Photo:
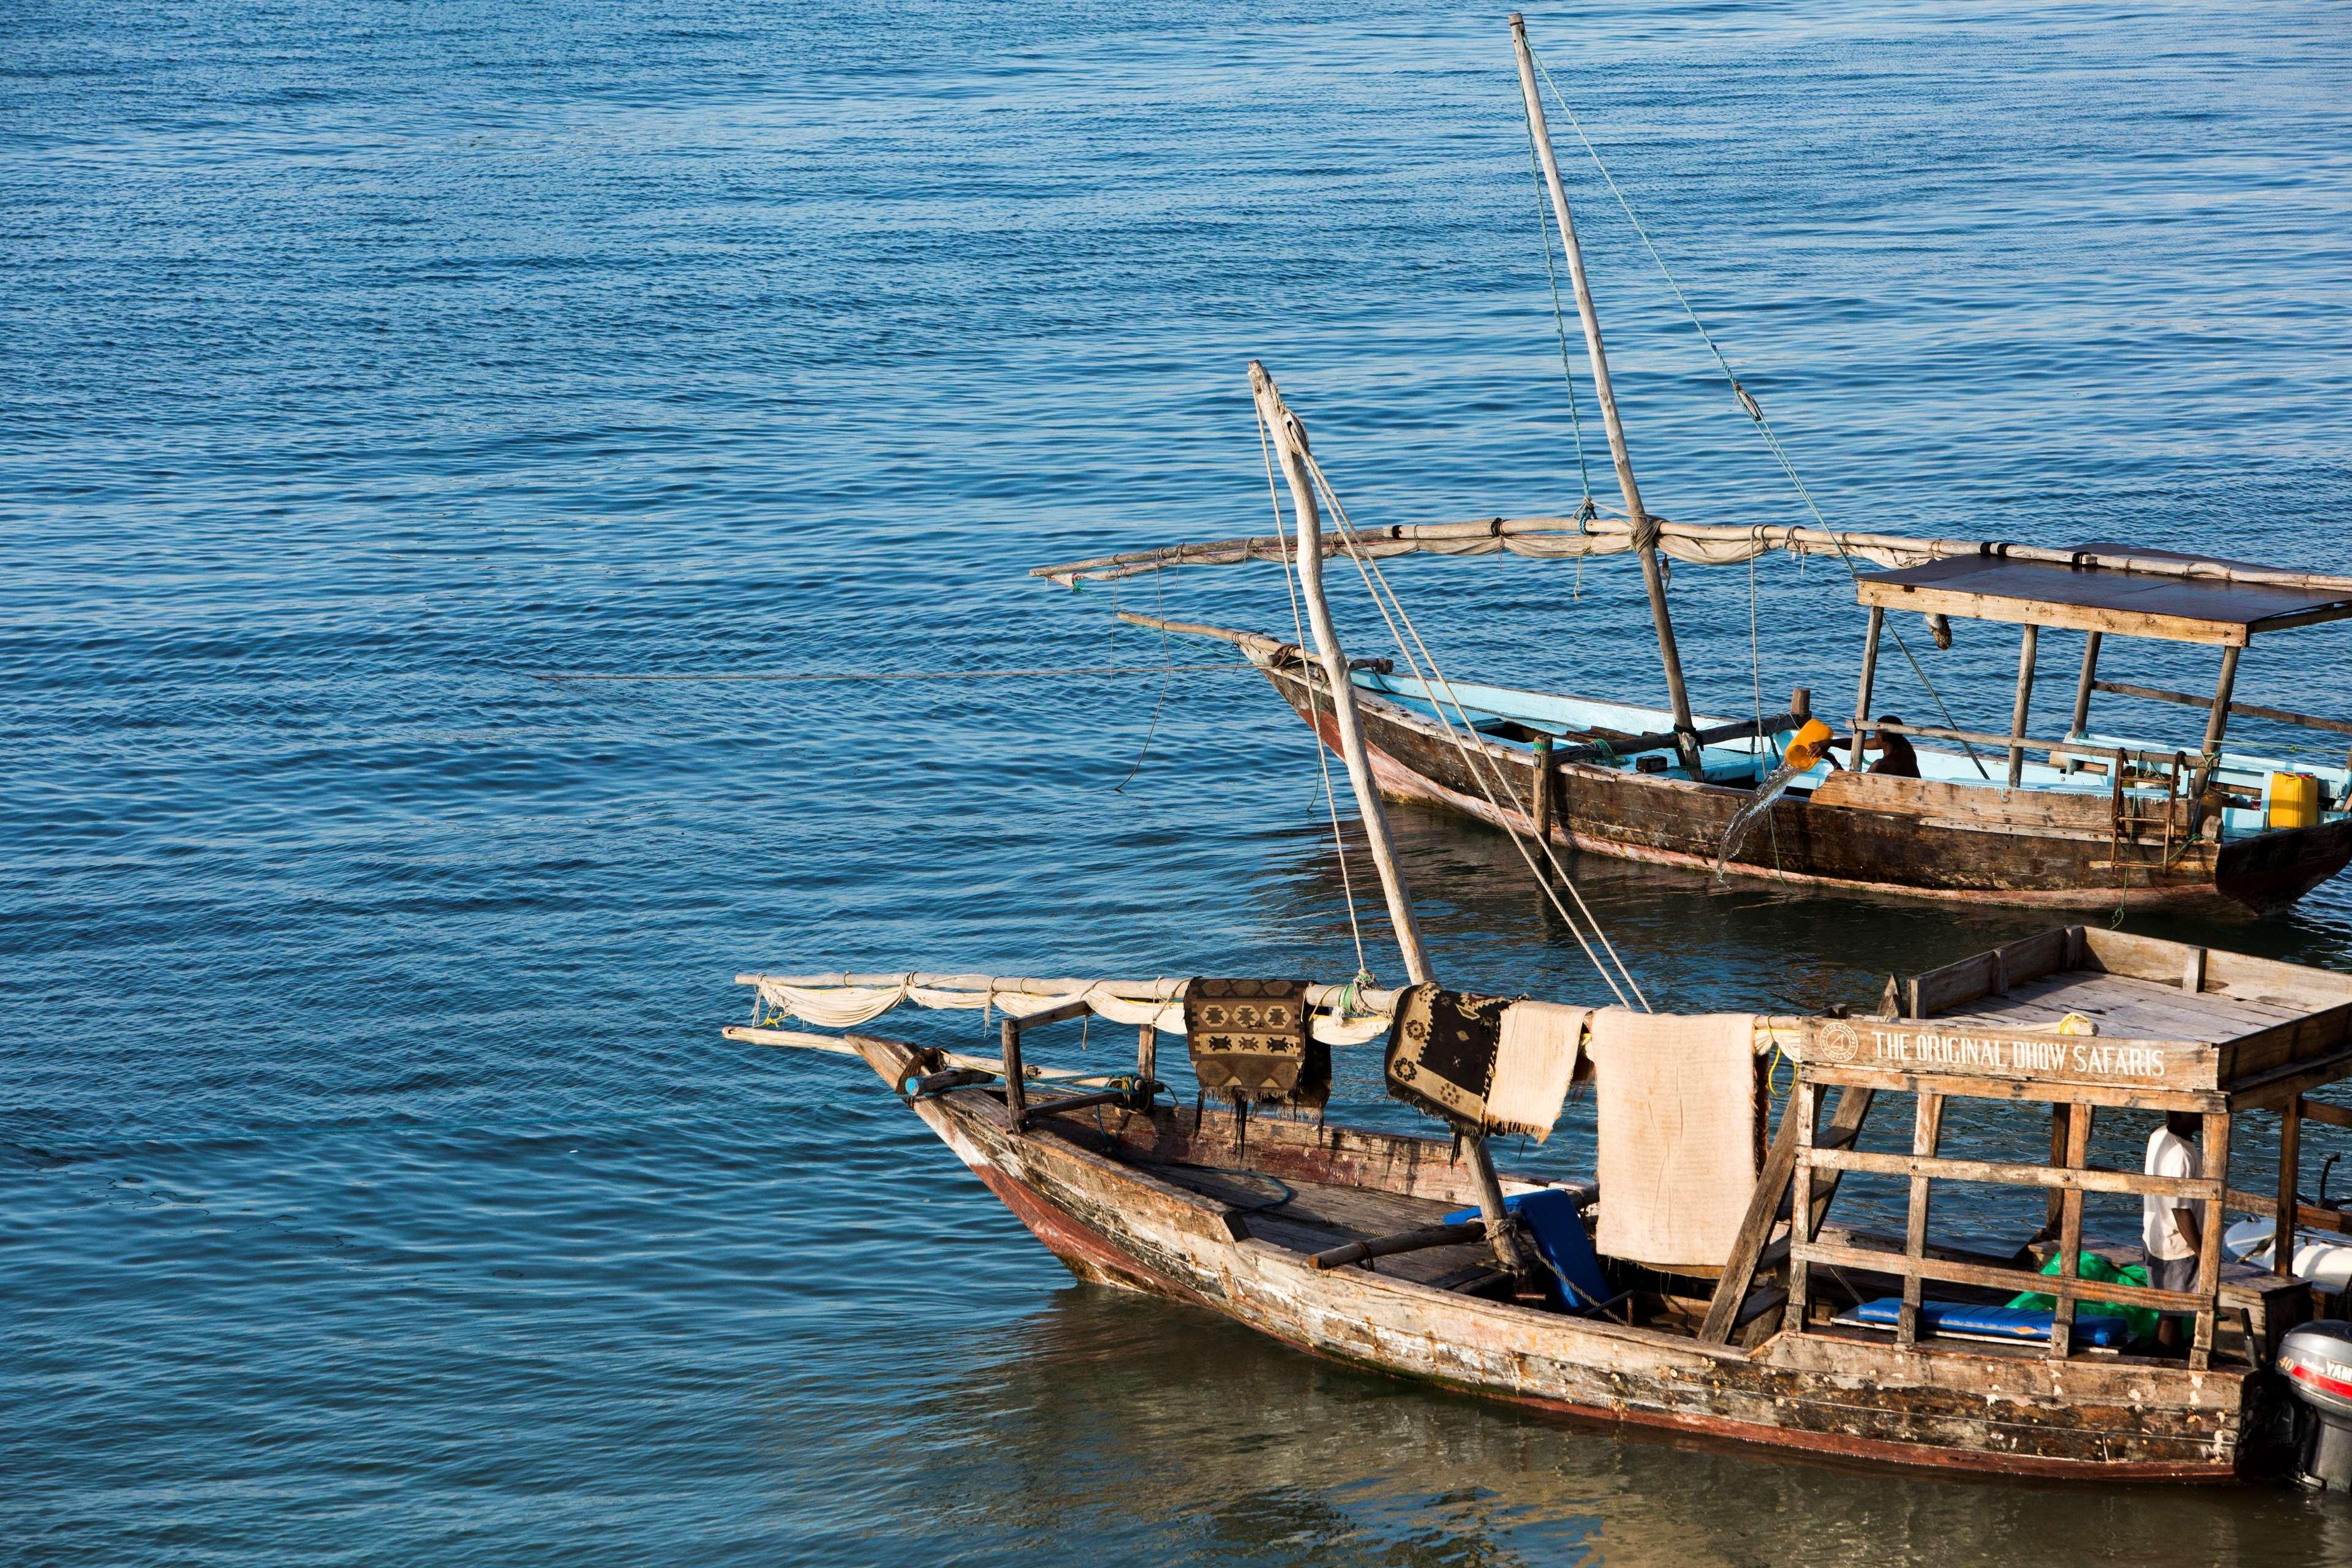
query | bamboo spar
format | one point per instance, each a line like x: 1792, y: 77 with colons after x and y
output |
x: 1289, y: 441
x: 1654, y: 578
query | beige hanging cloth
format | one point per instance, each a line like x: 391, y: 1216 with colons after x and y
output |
x: 1534, y: 1061
x: 1676, y: 1097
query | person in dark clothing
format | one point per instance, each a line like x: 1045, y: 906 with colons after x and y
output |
x: 1896, y: 757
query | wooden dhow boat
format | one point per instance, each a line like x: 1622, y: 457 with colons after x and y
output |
x: 1696, y: 1282
x: 2091, y: 819
x: 1368, y: 1247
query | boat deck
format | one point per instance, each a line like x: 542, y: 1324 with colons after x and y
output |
x: 1308, y: 1216
x: 2126, y: 1007
x: 1511, y: 717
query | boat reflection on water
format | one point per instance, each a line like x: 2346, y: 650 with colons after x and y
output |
x: 1105, y: 1420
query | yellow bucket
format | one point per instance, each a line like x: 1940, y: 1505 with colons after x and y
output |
x: 2294, y: 800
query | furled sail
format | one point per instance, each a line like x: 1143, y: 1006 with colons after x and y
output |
x: 1702, y: 544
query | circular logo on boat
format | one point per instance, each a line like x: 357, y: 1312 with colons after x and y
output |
x: 1405, y: 1070
x: 1839, y: 1042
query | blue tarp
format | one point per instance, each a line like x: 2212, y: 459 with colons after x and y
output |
x: 1991, y: 1322
x: 1558, y: 1232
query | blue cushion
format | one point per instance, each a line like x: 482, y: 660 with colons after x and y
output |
x: 1559, y: 1231
x: 1991, y: 1322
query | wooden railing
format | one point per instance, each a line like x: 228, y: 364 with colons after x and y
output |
x: 2241, y: 709
x: 2067, y: 1178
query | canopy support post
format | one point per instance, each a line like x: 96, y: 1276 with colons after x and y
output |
x: 1869, y: 679
x: 1645, y: 532
x: 1541, y: 804
x: 1289, y: 440
x: 2074, y: 1154
x: 2290, y: 1168
x: 1803, y: 1106
x: 1927, y: 1132
x: 2081, y: 725
x: 2216, y: 722
x: 2031, y: 641
x: 2213, y: 1165
x: 1017, y: 1077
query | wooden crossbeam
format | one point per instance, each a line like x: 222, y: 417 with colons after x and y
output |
x: 1418, y: 1239
x: 2308, y: 1216
x: 1050, y: 1016
x: 1666, y: 740
x: 2083, y: 1179
x: 2237, y: 709
x: 2319, y: 1110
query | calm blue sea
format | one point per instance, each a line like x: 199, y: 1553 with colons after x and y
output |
x: 375, y: 1187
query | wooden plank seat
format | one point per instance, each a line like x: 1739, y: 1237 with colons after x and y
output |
x: 1314, y: 1215
x: 1555, y: 1223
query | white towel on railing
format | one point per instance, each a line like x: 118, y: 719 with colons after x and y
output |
x: 1676, y: 1097
x: 1535, y: 1057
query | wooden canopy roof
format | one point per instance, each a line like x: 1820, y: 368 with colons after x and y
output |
x: 2223, y: 609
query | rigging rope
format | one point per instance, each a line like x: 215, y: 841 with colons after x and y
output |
x: 1384, y: 598
x: 1159, y: 613
x: 1764, y: 747
x: 1748, y: 404
x: 1560, y: 327
x: 1322, y: 758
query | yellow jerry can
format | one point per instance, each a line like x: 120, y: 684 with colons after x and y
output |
x: 2294, y: 800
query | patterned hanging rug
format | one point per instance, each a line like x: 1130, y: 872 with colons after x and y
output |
x: 1485, y: 1063
x: 1250, y: 1042
x: 1442, y: 1050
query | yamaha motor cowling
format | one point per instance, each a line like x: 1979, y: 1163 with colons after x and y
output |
x: 2317, y: 1359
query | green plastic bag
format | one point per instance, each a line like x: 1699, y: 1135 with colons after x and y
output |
x: 2139, y: 1321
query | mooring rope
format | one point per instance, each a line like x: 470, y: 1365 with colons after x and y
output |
x: 1763, y: 742
x: 1159, y: 613
x: 1560, y: 327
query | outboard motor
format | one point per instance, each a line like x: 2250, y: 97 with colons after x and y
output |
x: 2317, y: 1360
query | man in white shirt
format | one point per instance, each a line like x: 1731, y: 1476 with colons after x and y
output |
x: 2168, y: 1229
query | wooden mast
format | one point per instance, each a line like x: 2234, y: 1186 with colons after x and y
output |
x: 1289, y: 440
x: 1654, y: 576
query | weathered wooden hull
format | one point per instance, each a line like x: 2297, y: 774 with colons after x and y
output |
x: 1675, y: 822
x: 1980, y: 1414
